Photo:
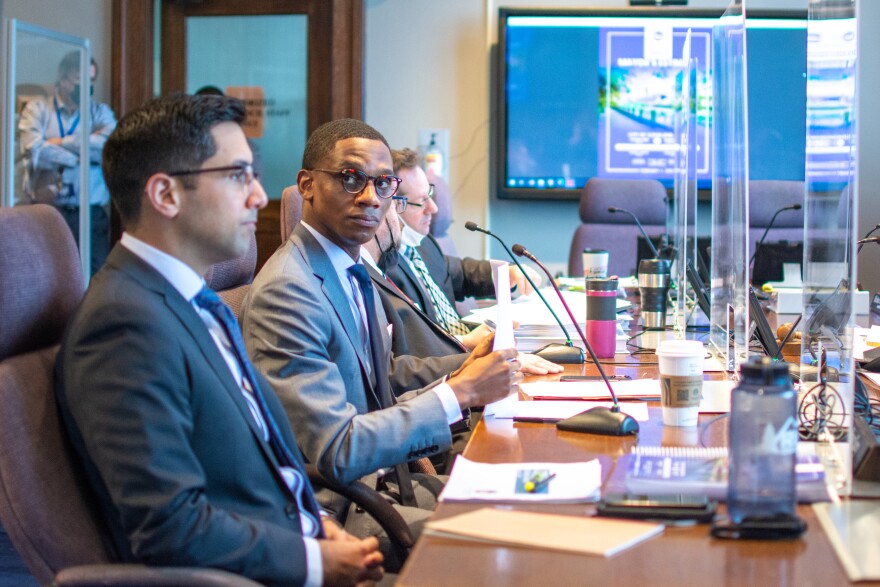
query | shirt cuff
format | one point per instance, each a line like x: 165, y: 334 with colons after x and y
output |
x: 449, y: 401
x: 314, y: 565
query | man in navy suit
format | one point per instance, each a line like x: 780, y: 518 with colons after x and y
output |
x: 188, y: 448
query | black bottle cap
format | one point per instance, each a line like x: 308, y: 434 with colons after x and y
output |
x: 764, y: 369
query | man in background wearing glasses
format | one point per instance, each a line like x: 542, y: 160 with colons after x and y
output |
x: 314, y: 328
x: 431, y: 279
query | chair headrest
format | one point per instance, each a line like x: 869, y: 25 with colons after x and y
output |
x: 234, y: 272
x: 441, y: 221
x: 42, y: 281
x: 642, y: 197
x: 291, y: 210
x: 766, y: 196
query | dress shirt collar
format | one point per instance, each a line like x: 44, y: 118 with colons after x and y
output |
x: 367, y: 259
x: 179, y: 274
x: 410, y: 237
x: 340, y: 260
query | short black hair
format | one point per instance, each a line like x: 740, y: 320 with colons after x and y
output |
x: 70, y: 63
x: 324, y: 139
x: 167, y: 134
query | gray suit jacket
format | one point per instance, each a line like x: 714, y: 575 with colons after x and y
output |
x: 458, y: 278
x: 165, y: 436
x: 301, y: 334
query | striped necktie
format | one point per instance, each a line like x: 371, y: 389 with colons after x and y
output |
x: 208, y: 299
x: 446, y: 314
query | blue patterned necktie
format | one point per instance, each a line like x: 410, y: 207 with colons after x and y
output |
x: 443, y: 309
x: 380, y: 371
x: 208, y: 299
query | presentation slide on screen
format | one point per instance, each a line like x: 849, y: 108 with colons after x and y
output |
x: 597, y: 96
x: 831, y: 86
x: 640, y: 99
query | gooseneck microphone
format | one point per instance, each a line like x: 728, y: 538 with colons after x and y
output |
x: 601, y: 420
x: 558, y: 353
x: 614, y: 210
x: 769, y: 226
x: 864, y: 240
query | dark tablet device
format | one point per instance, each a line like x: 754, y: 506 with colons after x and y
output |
x: 672, y: 507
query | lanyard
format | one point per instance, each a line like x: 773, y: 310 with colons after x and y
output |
x: 73, y: 124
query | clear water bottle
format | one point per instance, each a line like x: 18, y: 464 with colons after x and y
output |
x: 763, y: 442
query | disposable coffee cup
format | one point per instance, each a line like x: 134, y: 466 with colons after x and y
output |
x: 595, y: 263
x: 681, y: 381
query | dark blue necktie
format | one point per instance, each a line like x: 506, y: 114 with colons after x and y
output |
x: 210, y: 301
x: 380, y: 372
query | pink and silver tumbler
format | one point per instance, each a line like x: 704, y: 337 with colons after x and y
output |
x: 602, y: 316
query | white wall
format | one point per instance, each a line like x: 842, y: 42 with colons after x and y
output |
x: 441, y: 52
x: 91, y: 19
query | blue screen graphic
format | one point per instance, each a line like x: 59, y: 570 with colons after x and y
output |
x: 593, y: 96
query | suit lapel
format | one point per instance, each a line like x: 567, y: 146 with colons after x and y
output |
x: 316, y: 258
x: 424, y: 297
x: 189, y: 318
x: 380, y: 281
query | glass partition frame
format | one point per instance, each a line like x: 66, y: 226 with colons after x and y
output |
x: 830, y: 218
x: 16, y: 31
x: 685, y: 189
x: 729, y: 321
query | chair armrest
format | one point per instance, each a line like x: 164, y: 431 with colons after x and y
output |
x: 374, y: 504
x: 134, y: 575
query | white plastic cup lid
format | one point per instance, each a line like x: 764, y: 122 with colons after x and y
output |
x: 680, y: 348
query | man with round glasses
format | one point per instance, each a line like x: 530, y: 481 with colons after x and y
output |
x: 433, y: 280
x: 313, y: 326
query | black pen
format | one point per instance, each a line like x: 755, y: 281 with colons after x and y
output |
x: 536, y: 420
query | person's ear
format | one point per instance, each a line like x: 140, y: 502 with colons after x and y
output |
x: 305, y: 181
x: 163, y: 194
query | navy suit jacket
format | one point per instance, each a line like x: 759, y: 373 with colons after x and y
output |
x: 165, y: 436
x: 413, y: 332
x: 457, y: 278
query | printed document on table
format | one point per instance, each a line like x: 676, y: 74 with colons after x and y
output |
x: 592, y: 390
x: 523, y: 482
x: 554, y: 411
x: 503, y: 320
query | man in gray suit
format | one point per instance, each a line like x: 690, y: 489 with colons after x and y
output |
x: 312, y: 326
x: 188, y: 449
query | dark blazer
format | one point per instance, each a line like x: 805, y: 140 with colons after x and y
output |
x: 458, y: 278
x: 165, y: 436
x: 413, y: 333
x: 302, y: 335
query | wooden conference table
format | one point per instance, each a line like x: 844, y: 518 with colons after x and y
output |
x: 680, y: 556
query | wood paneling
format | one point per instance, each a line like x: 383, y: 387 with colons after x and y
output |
x: 268, y: 231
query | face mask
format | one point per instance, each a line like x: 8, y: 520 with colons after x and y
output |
x: 74, y: 95
x: 387, y: 259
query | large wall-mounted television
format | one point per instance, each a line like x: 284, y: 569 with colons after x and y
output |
x: 591, y: 92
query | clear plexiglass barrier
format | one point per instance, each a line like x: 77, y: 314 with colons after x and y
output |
x: 829, y: 263
x: 43, y: 67
x: 729, y: 319
x: 687, y: 310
